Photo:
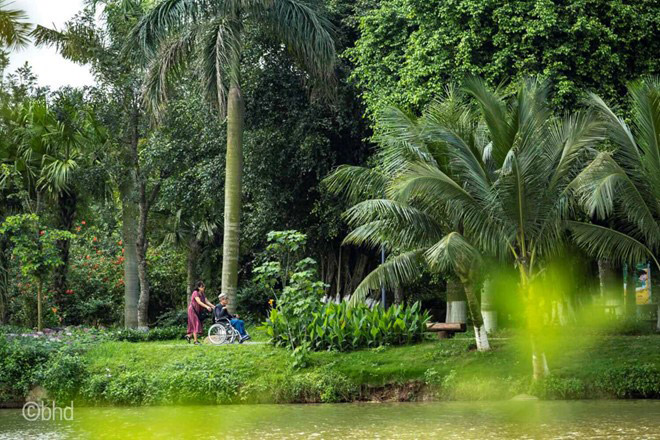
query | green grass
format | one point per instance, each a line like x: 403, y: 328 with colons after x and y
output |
x: 452, y: 368
x: 583, y: 365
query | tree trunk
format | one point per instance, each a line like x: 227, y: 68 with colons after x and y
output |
x: 456, y: 304
x: 539, y: 362
x: 488, y: 306
x: 131, y: 283
x: 474, y: 309
x: 130, y: 212
x: 233, y: 174
x: 191, y: 272
x: 611, y: 286
x: 142, y: 245
x: 398, y: 295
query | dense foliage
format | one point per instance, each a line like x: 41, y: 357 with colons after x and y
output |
x: 409, y: 50
x: 341, y: 327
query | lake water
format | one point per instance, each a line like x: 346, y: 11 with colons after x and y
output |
x: 442, y: 420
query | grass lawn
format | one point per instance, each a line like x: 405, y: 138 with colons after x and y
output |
x: 581, y: 365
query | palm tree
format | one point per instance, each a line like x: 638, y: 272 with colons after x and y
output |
x: 499, y: 188
x: 419, y: 233
x: 623, y: 185
x: 117, y: 68
x: 14, y: 30
x: 179, y: 34
x: 53, y: 143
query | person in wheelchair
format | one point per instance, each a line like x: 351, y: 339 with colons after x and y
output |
x: 221, y: 313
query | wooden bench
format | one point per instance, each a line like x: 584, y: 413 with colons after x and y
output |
x: 445, y: 330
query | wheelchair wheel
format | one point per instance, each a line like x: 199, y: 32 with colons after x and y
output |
x: 217, y: 334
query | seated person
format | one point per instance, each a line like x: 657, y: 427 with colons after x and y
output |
x: 223, y: 313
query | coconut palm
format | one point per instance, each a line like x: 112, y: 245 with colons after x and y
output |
x: 419, y: 234
x: 623, y: 185
x: 14, y: 29
x: 495, y: 189
x: 208, y: 35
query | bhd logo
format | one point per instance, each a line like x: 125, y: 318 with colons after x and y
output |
x: 33, y: 411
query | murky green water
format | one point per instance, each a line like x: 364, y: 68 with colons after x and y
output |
x: 451, y: 420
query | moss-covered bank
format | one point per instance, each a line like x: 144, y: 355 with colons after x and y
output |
x: 173, y: 372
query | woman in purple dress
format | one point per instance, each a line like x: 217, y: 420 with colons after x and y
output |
x: 197, y: 302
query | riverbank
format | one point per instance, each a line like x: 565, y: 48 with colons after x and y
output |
x: 173, y: 372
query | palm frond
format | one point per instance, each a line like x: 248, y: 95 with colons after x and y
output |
x: 306, y: 33
x: 604, y: 183
x: 603, y: 242
x: 76, y: 42
x: 397, y: 270
x: 171, y: 63
x: 14, y: 28
x: 453, y: 253
x: 167, y: 18
x: 645, y: 94
x: 495, y: 114
x: 220, y: 52
x: 356, y: 183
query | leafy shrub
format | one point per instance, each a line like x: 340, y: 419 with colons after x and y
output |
x: 155, y: 334
x: 64, y: 374
x: 21, y: 366
x: 632, y: 381
x: 131, y: 388
x: 252, y: 300
x: 325, y: 386
x: 563, y: 388
x: 341, y: 327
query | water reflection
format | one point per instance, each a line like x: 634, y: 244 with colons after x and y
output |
x: 447, y: 420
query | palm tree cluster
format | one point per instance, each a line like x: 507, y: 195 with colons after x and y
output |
x: 485, y: 176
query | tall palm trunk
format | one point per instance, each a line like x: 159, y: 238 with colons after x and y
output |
x: 141, y: 245
x: 233, y: 174
x: 474, y: 309
x: 534, y: 323
x: 488, y: 306
x: 131, y: 283
x: 456, y: 304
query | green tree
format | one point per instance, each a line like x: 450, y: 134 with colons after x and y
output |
x: 502, y: 193
x: 177, y: 32
x: 35, y: 248
x: 408, y: 50
x: 57, y: 149
x: 623, y: 185
x: 117, y: 69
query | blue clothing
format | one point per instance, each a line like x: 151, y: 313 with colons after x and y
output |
x: 239, y: 325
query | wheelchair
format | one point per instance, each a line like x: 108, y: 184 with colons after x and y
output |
x: 222, y: 332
